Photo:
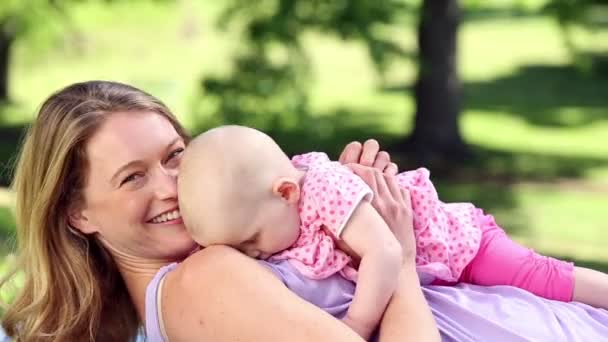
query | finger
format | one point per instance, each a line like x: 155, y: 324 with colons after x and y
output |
x: 393, y: 188
x: 407, y: 199
x: 383, y: 190
x: 370, y: 150
x: 367, y: 174
x: 383, y: 159
x: 351, y: 153
x: 391, y: 169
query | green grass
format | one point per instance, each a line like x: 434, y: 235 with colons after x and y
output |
x: 535, y: 120
x: 561, y: 221
x: 7, y: 221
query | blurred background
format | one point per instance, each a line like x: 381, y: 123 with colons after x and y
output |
x: 505, y: 101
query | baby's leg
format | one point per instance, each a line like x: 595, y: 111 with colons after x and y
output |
x: 591, y: 287
x: 501, y: 261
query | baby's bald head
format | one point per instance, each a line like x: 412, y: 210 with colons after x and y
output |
x: 225, y: 176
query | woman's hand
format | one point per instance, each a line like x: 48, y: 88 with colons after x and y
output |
x: 368, y: 154
x: 393, y: 204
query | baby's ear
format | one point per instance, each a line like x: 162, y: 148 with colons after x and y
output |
x: 287, y: 188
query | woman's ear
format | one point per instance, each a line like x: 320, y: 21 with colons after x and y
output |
x: 287, y: 188
x: 79, y: 220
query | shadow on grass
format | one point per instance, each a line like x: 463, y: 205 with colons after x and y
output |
x: 553, y: 96
x: 543, y: 95
x: 504, y: 166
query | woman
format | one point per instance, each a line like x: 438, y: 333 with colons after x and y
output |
x: 98, y: 218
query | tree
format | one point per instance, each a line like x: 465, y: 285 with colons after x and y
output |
x: 436, y: 132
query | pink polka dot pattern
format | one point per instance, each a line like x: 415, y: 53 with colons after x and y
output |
x: 330, y: 193
x: 447, y: 235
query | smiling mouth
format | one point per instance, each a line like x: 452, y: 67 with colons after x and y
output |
x: 168, y: 216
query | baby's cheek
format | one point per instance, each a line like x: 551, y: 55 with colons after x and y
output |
x: 287, y: 240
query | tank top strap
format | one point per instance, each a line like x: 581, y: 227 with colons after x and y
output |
x: 154, y: 328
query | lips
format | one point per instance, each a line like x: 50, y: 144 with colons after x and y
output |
x: 166, y: 216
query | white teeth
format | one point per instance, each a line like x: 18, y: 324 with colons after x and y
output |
x: 166, y: 217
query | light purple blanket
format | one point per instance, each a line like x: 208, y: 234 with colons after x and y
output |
x: 471, y: 313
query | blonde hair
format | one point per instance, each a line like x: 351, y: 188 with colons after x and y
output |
x: 72, y: 288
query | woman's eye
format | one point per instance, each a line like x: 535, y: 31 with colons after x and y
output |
x: 130, y: 178
x: 175, y: 153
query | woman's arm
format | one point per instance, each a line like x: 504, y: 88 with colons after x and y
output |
x: 367, y: 235
x: 408, y: 316
x: 218, y: 294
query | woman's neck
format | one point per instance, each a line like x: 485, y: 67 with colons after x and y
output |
x: 137, y: 273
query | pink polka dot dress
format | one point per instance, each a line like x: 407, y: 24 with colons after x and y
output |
x: 329, y: 195
x: 448, y: 235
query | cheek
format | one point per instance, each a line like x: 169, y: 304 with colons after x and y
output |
x: 289, y: 237
x: 127, y: 209
x: 135, y: 208
x: 295, y: 234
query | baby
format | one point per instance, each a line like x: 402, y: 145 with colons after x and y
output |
x: 237, y: 187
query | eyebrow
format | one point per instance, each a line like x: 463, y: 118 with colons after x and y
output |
x: 135, y: 162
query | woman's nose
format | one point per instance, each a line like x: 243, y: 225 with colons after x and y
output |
x: 166, y: 183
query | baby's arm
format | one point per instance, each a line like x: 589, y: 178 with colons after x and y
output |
x: 591, y: 287
x: 367, y: 235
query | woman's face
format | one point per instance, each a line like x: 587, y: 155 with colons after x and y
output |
x: 131, y: 190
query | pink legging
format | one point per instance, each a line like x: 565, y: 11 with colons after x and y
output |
x: 501, y: 261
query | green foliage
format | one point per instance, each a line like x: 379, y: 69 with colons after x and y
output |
x: 18, y: 16
x: 591, y: 15
x: 285, y: 21
x: 272, y: 74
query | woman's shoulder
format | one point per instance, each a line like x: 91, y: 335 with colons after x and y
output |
x: 211, y: 264
x: 210, y: 284
x: 215, y: 272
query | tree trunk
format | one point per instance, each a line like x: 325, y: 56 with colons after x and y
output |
x: 436, y: 134
x: 6, y: 41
